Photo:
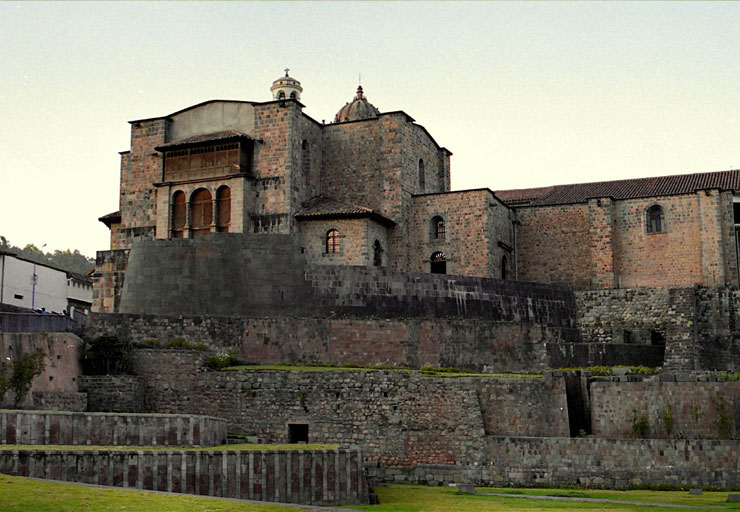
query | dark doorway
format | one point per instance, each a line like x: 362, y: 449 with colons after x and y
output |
x: 579, y: 410
x: 438, y: 263
x: 297, y: 433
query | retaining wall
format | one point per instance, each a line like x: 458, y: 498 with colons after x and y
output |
x: 73, y: 428
x: 318, y: 477
x: 113, y: 393
x: 612, y: 463
x: 62, y: 365
x: 704, y: 410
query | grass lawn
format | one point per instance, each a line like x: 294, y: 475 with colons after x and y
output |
x: 24, y: 494
x: 414, y: 498
x: 221, y: 447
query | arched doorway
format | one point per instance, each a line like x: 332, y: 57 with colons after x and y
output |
x: 201, y: 212
x: 438, y: 263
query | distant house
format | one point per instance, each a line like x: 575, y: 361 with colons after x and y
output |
x: 25, y: 284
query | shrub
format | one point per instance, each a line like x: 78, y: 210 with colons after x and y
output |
x: 640, y: 426
x: 221, y: 360
x: 668, y: 420
x: 106, y: 355
x: 22, y: 372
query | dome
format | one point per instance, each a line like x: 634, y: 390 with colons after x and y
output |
x: 286, y: 87
x: 360, y: 108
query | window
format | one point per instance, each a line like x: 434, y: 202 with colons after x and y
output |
x: 438, y: 228
x: 223, y: 209
x: 655, y: 220
x: 332, y: 241
x: 422, y: 179
x: 281, y: 95
x: 201, y: 212
x: 504, y: 267
x: 297, y: 433
x: 438, y: 263
x: 292, y: 95
x: 377, y: 254
x: 178, y: 214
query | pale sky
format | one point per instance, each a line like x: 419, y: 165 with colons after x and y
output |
x: 524, y: 94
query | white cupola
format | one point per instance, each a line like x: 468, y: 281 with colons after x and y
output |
x: 286, y: 88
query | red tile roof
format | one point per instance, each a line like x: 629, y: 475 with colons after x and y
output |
x: 622, y: 189
x: 323, y: 207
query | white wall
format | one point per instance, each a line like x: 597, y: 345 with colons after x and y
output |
x: 16, y: 280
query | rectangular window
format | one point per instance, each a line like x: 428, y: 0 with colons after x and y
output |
x: 18, y: 296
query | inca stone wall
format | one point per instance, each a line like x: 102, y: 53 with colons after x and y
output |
x: 612, y: 463
x: 688, y: 409
x: 395, y: 417
x: 112, y: 393
x: 319, y: 477
x: 109, y: 429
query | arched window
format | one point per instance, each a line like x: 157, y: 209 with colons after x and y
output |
x: 655, y: 220
x: 332, y: 241
x: 292, y: 95
x: 377, y: 254
x: 281, y: 95
x: 504, y: 267
x: 438, y: 228
x: 438, y: 263
x: 223, y: 209
x: 422, y: 179
x: 201, y: 212
x: 179, y: 212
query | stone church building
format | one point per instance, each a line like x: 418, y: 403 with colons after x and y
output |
x: 373, y: 189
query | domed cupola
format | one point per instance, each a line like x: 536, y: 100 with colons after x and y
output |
x: 286, y: 87
x: 360, y: 108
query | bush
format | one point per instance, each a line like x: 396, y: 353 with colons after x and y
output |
x: 22, y: 372
x: 106, y: 355
x: 640, y: 426
x: 221, y: 360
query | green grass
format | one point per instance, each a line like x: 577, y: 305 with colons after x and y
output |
x: 424, y: 372
x: 670, y: 497
x: 221, y: 447
x: 24, y: 494
x: 415, y: 498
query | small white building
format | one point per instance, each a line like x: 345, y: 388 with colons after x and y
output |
x: 30, y: 285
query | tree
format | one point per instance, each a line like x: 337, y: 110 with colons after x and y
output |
x: 71, y: 261
x: 22, y: 372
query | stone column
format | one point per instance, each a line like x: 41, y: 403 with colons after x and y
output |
x: 600, y: 225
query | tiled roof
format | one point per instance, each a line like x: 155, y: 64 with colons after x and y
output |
x: 622, y: 189
x: 195, y: 140
x: 323, y: 207
x: 110, y: 218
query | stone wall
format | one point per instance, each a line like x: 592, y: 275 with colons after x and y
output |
x: 59, y: 401
x: 395, y: 417
x: 612, y: 463
x: 647, y: 316
x: 110, y: 271
x: 553, y: 245
x: 693, y: 408
x: 109, y: 429
x: 475, y: 223
x: 62, y: 365
x: 475, y: 344
x: 112, y: 393
x: 573, y: 355
x: 605, y: 243
x: 318, y: 477
x: 221, y: 273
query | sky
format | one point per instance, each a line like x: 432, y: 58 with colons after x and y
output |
x: 524, y: 94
